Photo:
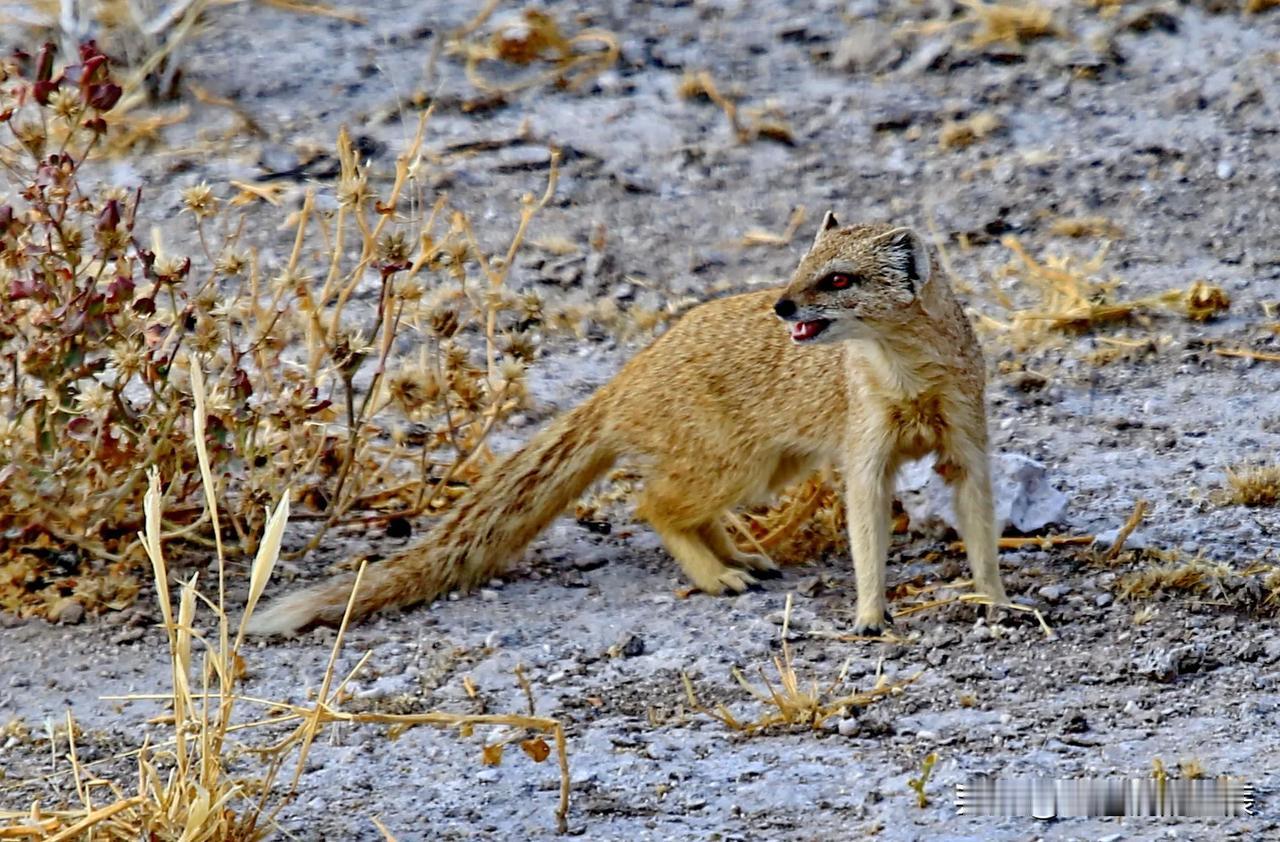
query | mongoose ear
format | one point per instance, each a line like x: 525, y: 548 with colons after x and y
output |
x: 829, y: 221
x: 907, y: 252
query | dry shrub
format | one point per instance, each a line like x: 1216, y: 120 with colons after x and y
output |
x: 1070, y: 295
x: 1255, y: 486
x: 364, y: 373
x: 531, y: 38
x: 958, y: 134
x: 208, y: 780
x: 149, y: 37
x: 1006, y: 23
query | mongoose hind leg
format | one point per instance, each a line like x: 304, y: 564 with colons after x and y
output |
x: 703, y: 566
x: 717, y: 538
x: 685, y: 503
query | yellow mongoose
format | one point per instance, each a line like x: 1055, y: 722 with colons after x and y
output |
x: 880, y: 365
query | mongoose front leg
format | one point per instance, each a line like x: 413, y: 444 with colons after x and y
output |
x: 970, y: 479
x: 868, y: 503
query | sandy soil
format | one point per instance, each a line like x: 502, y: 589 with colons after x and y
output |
x: 1162, y: 118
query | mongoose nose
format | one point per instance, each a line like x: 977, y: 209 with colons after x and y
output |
x: 785, y: 308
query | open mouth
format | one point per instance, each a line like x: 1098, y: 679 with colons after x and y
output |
x: 808, y: 331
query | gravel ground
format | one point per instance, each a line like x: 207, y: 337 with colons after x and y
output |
x: 1162, y: 117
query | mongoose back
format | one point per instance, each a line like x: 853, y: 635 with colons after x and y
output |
x: 865, y: 360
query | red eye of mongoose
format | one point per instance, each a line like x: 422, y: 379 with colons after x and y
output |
x: 839, y: 281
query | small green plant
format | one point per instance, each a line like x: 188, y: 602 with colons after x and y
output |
x: 918, y: 784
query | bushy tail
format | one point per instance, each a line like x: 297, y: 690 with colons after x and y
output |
x: 478, y: 538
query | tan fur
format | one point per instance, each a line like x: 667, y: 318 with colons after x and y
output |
x: 725, y: 408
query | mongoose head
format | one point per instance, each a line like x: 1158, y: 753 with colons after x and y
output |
x: 855, y: 282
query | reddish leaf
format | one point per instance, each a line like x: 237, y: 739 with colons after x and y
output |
x: 104, y: 96
x: 42, y: 90
x: 80, y: 429
x: 537, y: 748
x: 44, y: 62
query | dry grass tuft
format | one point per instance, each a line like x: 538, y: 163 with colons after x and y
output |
x: 1203, y: 301
x: 1071, y: 295
x: 806, y: 522
x: 959, y: 134
x: 1253, y: 589
x: 787, y: 702
x: 1255, y: 486
x: 1006, y: 23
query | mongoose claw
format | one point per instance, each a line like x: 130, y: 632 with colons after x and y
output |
x: 736, y: 581
x: 760, y: 565
x: 768, y: 573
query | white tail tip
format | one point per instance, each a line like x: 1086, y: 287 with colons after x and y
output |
x: 286, y: 616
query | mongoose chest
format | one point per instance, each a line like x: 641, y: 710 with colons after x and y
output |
x: 919, y: 424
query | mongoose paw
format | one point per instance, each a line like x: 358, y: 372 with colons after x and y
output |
x: 729, y: 581
x: 999, y: 599
x: 874, y: 626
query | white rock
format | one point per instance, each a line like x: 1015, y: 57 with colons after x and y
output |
x: 1137, y: 539
x: 1025, y: 500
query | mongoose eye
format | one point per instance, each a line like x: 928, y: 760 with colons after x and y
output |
x: 836, y: 280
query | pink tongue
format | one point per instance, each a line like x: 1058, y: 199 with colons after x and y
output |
x: 805, y: 330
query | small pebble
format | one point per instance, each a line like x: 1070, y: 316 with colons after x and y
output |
x: 1053, y: 593
x: 71, y: 614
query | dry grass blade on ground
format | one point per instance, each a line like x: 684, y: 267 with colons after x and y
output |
x: 763, y: 123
